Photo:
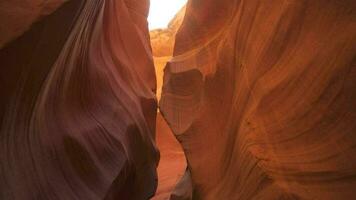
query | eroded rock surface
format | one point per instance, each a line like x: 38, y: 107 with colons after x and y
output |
x: 172, y: 162
x: 16, y: 16
x: 78, y: 106
x: 162, y: 42
x: 261, y: 95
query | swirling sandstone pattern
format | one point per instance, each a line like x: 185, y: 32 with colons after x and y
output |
x: 78, y: 106
x: 262, y: 97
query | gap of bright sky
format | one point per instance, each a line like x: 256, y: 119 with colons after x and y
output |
x: 162, y: 12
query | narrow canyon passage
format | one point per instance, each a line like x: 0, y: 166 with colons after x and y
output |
x: 172, y: 163
x: 216, y: 100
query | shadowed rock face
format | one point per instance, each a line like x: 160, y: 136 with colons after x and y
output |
x: 78, y: 107
x: 172, y: 160
x: 261, y: 95
x: 16, y: 16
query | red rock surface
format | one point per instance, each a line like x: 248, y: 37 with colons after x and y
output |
x: 78, y: 107
x: 261, y: 95
x: 172, y: 162
x: 16, y: 16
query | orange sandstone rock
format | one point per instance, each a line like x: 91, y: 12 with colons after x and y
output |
x: 162, y: 42
x: 261, y: 95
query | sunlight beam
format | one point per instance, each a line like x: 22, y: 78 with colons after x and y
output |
x: 163, y: 11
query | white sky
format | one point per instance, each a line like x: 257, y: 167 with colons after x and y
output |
x: 162, y: 11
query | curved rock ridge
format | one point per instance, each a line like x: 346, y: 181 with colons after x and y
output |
x: 78, y: 107
x: 261, y: 95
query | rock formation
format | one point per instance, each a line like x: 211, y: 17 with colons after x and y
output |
x: 77, y: 104
x: 262, y: 97
x: 260, y: 94
x: 16, y: 16
x: 162, y: 42
x: 172, y: 161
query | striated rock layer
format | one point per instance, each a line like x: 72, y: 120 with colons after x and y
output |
x: 262, y: 97
x: 77, y: 105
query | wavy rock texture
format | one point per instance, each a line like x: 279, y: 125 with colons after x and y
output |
x: 261, y: 95
x: 78, y: 106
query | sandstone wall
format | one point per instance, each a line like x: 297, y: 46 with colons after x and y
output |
x: 78, y: 105
x: 262, y: 97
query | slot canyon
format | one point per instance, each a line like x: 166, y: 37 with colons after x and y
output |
x: 232, y: 100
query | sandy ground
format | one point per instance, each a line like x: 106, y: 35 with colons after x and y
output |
x: 172, y: 164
